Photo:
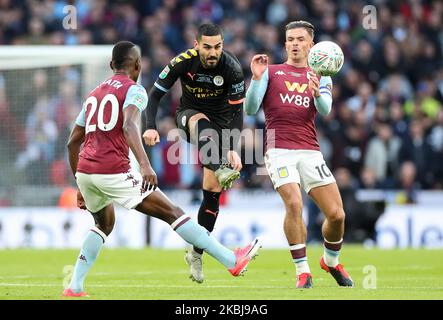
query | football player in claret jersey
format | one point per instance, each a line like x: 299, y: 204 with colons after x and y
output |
x: 211, y: 108
x: 108, y: 124
x: 292, y: 95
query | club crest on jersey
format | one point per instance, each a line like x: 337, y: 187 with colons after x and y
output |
x: 283, y: 172
x: 218, y: 80
x: 164, y: 73
x: 280, y: 73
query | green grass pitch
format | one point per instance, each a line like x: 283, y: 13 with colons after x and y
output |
x: 162, y: 274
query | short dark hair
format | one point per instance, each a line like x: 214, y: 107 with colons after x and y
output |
x: 301, y: 24
x: 209, y: 29
x: 120, y: 53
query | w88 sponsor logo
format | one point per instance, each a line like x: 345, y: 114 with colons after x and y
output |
x: 296, y: 99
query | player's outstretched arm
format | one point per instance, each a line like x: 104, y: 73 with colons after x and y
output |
x: 151, y: 135
x: 131, y: 119
x: 154, y: 97
x: 259, y: 83
x: 164, y: 82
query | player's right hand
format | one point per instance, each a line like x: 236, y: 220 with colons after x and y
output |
x: 149, y: 176
x: 259, y: 64
x: 80, y: 201
x: 314, y: 84
x: 151, y: 137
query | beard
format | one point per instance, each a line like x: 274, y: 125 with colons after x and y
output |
x: 211, y: 63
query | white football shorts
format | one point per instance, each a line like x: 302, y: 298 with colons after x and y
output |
x: 100, y: 190
x: 305, y: 167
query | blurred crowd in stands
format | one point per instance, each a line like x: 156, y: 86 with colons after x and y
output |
x: 386, y: 125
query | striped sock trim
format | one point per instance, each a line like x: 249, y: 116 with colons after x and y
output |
x: 297, y: 246
x: 301, y: 266
x: 336, y: 246
x: 180, y: 221
x: 337, y: 242
x: 298, y: 251
x: 332, y: 252
x: 100, y: 233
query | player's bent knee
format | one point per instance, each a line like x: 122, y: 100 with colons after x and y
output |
x: 294, y: 207
x: 106, y: 228
x: 173, y: 214
x: 177, y: 212
x: 336, y: 215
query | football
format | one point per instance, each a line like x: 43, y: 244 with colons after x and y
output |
x: 325, y: 58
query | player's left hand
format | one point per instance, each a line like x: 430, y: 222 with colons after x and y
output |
x: 314, y: 84
x: 234, y: 160
x: 80, y: 201
x: 150, y: 181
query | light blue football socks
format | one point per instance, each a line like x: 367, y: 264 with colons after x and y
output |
x: 198, y: 236
x: 188, y: 229
x: 88, y: 254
